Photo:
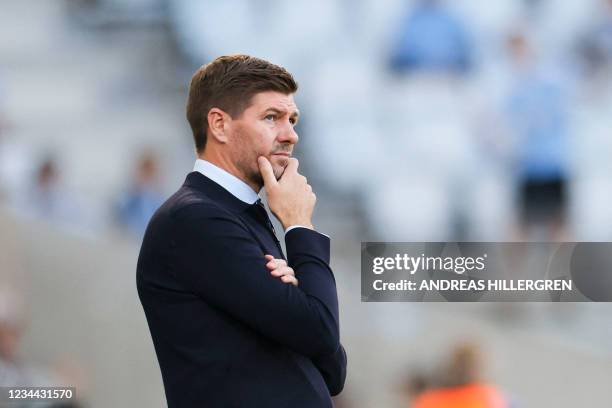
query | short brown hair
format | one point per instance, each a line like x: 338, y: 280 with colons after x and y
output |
x: 229, y: 83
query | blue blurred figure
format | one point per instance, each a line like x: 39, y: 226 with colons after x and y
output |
x: 537, y: 113
x: 144, y: 196
x: 432, y: 38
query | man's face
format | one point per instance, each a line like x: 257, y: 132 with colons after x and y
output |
x: 265, y: 128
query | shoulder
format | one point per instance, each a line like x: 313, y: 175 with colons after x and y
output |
x: 190, y: 208
x: 189, y: 202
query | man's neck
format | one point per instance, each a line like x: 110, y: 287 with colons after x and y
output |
x: 230, y: 167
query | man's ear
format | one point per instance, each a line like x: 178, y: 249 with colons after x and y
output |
x: 218, y: 122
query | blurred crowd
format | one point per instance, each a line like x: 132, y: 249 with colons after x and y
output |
x: 448, y: 120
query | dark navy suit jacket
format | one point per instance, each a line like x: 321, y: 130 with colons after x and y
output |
x: 226, y: 332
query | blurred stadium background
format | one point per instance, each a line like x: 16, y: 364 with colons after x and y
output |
x: 422, y: 120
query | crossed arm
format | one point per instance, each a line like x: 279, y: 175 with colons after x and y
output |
x: 333, y: 366
x: 230, y: 274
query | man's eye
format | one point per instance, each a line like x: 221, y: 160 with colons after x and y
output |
x: 292, y: 121
x: 270, y: 117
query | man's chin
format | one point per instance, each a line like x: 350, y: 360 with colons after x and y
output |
x: 278, y: 171
x: 278, y: 166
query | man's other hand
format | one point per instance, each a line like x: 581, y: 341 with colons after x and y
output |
x: 290, y: 198
x: 279, y: 269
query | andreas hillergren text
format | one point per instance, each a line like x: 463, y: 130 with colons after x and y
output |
x: 469, y: 272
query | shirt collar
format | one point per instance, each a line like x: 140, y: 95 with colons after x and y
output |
x: 228, y: 181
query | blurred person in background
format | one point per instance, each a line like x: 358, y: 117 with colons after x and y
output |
x: 14, y: 371
x: 460, y: 383
x: 425, y: 115
x: 143, y: 197
x: 536, y: 110
x: 432, y: 38
x: 47, y: 198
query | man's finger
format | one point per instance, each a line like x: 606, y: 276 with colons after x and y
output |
x: 265, y: 168
x: 292, y: 166
x: 289, y: 279
x: 286, y: 270
x: 276, y: 263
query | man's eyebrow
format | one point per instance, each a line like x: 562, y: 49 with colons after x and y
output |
x: 294, y: 114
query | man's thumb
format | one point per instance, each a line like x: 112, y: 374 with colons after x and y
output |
x: 265, y: 168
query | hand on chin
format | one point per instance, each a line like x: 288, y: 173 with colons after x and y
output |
x: 279, y: 163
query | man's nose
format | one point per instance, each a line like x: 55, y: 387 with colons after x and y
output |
x: 288, y: 135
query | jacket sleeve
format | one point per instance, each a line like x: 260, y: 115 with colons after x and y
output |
x: 218, y: 259
x: 333, y: 369
x: 308, y: 254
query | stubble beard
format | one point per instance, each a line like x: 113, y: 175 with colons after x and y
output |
x: 250, y: 169
x: 247, y: 164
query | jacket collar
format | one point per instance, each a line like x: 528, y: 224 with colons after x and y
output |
x: 228, y: 181
x: 215, y: 191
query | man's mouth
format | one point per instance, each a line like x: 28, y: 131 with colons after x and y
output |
x: 284, y: 154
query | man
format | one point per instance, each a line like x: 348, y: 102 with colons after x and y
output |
x: 233, y: 323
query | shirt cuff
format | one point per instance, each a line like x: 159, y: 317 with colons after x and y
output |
x: 289, y: 228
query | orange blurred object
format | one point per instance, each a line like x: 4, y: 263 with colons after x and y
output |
x: 465, y: 396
